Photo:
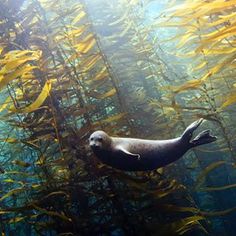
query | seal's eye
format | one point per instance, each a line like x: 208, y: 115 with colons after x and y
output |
x: 91, y: 139
x: 100, y: 139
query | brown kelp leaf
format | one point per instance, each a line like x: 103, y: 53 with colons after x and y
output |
x: 51, y: 213
x: 38, y: 102
x: 55, y: 194
x: 97, y: 95
x: 21, y: 163
x: 19, y: 173
x: 217, y: 188
x: 110, y: 93
x: 178, y: 227
x: 174, y: 208
x: 218, y: 213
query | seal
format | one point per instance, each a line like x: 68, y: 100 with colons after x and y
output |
x: 131, y: 154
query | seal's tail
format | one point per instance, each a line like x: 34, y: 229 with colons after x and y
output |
x: 202, y: 138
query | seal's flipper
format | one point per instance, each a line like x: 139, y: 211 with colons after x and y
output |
x: 188, y: 133
x: 127, y: 153
x: 203, y: 138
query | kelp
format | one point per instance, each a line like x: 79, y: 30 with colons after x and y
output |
x: 53, y: 106
x: 205, y: 36
x: 38, y: 102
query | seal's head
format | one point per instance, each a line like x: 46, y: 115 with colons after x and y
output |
x: 99, y: 140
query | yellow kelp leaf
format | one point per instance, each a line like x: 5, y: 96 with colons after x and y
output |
x: 5, y: 104
x: 86, y: 44
x: 218, y: 35
x: 225, y: 19
x: 205, y: 172
x: 189, y: 85
x: 38, y: 102
x: 219, y: 51
x: 90, y: 62
x: 18, y: 54
x: 201, y: 8
x: 9, y: 140
x: 36, y: 186
x: 180, y: 227
x: 187, y: 37
x: 81, y: 15
x: 221, y: 66
x: 15, y: 220
x: 12, y: 192
x: 174, y: 24
x: 7, y: 78
x: 101, y: 75
x: 8, y: 180
x: 13, y: 63
x: 110, y: 119
x: 70, y: 34
x: 231, y: 99
x: 108, y: 94
x: 200, y: 66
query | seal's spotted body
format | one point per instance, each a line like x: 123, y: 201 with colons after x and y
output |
x: 131, y: 154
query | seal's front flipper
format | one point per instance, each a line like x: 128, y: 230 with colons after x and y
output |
x: 127, y: 153
x: 203, y: 138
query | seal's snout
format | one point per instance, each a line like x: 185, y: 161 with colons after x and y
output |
x: 94, y: 146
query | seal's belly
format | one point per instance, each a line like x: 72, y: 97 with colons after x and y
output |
x: 153, y: 154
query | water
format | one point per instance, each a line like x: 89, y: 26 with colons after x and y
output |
x: 139, y: 68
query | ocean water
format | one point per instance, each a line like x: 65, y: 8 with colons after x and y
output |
x: 140, y: 69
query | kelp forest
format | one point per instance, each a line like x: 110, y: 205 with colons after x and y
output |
x: 133, y: 68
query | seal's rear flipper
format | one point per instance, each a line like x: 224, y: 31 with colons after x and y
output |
x: 203, y: 138
x: 188, y: 133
